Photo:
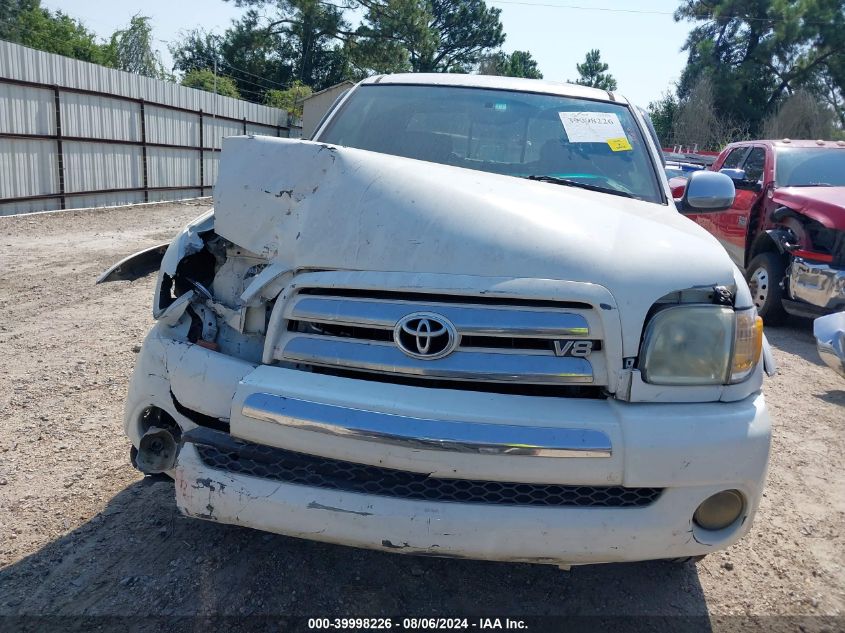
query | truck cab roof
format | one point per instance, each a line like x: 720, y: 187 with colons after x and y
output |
x: 787, y: 142
x: 490, y: 82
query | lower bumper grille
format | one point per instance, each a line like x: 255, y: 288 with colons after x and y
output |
x: 320, y: 472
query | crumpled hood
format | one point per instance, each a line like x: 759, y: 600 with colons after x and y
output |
x: 823, y: 204
x: 311, y: 205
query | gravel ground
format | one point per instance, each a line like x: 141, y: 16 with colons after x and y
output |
x: 85, y: 534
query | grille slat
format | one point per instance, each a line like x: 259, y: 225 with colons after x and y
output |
x: 320, y: 472
x: 479, y: 320
x: 503, y: 366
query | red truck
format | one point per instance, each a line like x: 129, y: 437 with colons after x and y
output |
x: 786, y: 227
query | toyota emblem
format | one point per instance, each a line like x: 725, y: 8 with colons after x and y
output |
x: 425, y: 335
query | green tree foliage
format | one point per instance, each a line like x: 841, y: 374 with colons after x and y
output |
x: 663, y: 113
x: 257, y: 61
x: 26, y: 22
x: 517, y: 64
x: 307, y: 36
x: 290, y: 99
x: 593, y: 72
x: 426, y: 35
x: 131, y: 49
x: 205, y: 79
x: 758, y: 51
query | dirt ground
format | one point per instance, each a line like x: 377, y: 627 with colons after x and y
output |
x: 83, y: 534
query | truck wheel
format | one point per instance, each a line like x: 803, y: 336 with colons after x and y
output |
x: 765, y: 274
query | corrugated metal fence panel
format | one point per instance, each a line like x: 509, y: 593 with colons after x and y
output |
x: 106, y: 199
x: 27, y: 168
x: 33, y: 206
x: 100, y: 117
x: 214, y: 130
x: 172, y: 127
x: 210, y: 163
x: 95, y: 166
x: 25, y: 110
x: 173, y: 194
x: 266, y: 130
x: 173, y: 167
x: 27, y: 64
x: 98, y: 103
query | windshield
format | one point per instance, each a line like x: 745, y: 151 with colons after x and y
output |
x: 810, y: 167
x: 513, y: 133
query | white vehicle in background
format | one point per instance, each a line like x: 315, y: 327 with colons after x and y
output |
x: 830, y: 340
x: 466, y: 320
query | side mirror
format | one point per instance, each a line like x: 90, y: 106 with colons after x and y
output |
x: 740, y: 179
x: 737, y: 175
x: 830, y: 340
x: 706, y: 192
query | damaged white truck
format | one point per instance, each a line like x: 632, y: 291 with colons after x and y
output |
x: 466, y: 320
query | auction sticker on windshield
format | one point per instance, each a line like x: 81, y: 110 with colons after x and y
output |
x: 592, y: 127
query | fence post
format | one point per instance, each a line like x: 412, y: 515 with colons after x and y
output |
x: 60, y: 161
x: 144, y: 153
x: 202, y: 161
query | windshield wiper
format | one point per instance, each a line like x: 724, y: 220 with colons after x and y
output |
x: 581, y: 185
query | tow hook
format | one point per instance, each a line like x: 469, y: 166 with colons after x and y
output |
x: 157, y: 451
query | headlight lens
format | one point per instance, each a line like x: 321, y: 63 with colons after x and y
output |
x: 688, y: 345
x: 701, y: 345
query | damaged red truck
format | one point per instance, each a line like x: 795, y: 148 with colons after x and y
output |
x: 786, y: 227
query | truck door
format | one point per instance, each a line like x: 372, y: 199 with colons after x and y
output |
x: 732, y: 225
x: 713, y: 222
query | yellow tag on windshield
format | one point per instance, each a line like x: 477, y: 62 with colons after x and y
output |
x: 619, y: 144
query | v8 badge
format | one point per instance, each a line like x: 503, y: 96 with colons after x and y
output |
x: 579, y: 349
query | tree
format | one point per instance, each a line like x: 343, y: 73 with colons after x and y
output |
x: 26, y: 22
x: 205, y: 79
x: 593, y: 72
x: 131, y: 49
x: 308, y: 35
x: 11, y: 18
x: 257, y: 61
x: 517, y: 64
x: 801, y: 115
x: 697, y: 122
x: 290, y: 99
x: 428, y: 35
x: 757, y: 52
x: 663, y: 113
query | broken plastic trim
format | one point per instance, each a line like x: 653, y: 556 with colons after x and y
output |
x: 135, y: 266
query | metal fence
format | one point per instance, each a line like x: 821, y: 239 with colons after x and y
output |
x: 75, y: 134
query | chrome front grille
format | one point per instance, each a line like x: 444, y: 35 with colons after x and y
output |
x: 498, y: 340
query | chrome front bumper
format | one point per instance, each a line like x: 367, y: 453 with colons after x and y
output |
x: 444, y: 443
x: 418, y: 433
x: 817, y: 284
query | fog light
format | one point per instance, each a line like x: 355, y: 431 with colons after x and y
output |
x: 720, y: 510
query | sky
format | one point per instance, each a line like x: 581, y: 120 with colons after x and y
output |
x: 639, y: 41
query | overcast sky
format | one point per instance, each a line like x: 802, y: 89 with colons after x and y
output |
x: 640, y: 41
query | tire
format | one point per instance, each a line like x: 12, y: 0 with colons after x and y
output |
x: 764, y: 275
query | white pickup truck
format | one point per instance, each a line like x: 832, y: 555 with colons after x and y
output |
x: 465, y: 320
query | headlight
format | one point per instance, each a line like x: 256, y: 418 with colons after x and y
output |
x: 701, y: 345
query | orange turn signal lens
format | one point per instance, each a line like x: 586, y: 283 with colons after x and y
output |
x: 748, y: 344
